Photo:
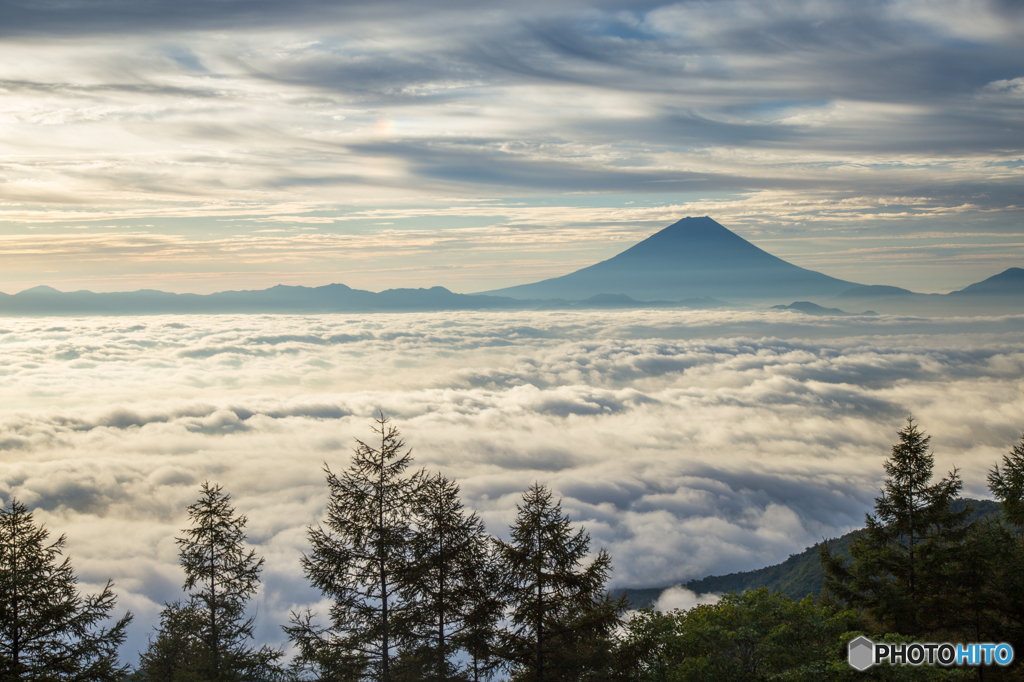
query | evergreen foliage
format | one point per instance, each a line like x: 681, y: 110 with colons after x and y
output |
x: 480, y: 638
x: 562, y: 618
x: 177, y: 647
x: 48, y: 630
x: 359, y: 556
x: 974, y: 580
x: 208, y: 637
x: 755, y: 635
x: 449, y: 552
x: 1007, y: 485
x: 1005, y: 554
x: 899, y: 561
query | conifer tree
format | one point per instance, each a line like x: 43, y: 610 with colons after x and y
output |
x: 177, y: 650
x: 358, y: 557
x: 975, y: 579
x: 480, y: 638
x: 208, y: 638
x: 561, y: 615
x: 1007, y: 485
x: 48, y: 630
x: 1006, y: 561
x: 897, y: 568
x: 449, y: 553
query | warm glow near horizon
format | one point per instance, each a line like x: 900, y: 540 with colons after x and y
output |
x: 205, y: 147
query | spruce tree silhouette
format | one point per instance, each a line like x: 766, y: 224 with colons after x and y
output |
x: 48, y: 630
x: 359, y: 554
x: 450, y: 553
x: 898, y: 562
x: 207, y: 637
x: 560, y: 612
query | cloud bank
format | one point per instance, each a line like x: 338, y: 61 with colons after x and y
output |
x: 470, y: 136
x: 688, y: 443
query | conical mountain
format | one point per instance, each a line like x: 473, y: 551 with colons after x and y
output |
x: 692, y: 258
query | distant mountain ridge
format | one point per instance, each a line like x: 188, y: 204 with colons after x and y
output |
x: 1000, y: 294
x: 46, y: 300
x: 693, y: 263
x: 691, y: 258
x: 332, y: 298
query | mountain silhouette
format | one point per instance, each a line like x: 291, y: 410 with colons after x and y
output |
x: 1009, y: 281
x: 44, y: 300
x: 694, y: 263
x: 876, y: 291
x: 694, y: 257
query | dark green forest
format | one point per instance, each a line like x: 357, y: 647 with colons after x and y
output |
x: 419, y: 590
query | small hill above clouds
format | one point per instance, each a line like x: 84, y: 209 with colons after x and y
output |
x: 695, y: 257
x: 809, y: 308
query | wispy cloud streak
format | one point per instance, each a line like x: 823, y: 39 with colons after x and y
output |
x: 880, y: 113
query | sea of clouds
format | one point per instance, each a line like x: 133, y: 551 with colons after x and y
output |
x: 687, y: 443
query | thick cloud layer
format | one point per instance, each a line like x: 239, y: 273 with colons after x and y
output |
x: 687, y: 442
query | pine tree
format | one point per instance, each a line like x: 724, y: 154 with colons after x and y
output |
x: 485, y: 610
x: 975, y: 580
x: 562, y: 617
x: 207, y: 638
x: 449, y: 553
x: 177, y: 650
x: 1006, y: 561
x: 48, y: 631
x: 1007, y: 485
x: 896, y: 574
x: 358, y: 557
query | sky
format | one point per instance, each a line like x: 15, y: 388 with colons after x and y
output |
x: 202, y: 146
x: 687, y: 443
x: 197, y: 146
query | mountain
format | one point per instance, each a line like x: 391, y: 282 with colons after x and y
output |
x: 1001, y: 294
x: 45, y: 300
x: 797, y: 576
x: 1007, y: 282
x: 695, y: 257
x: 694, y: 263
x: 809, y: 308
x: 875, y: 291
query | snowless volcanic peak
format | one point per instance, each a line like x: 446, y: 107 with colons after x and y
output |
x: 694, y: 257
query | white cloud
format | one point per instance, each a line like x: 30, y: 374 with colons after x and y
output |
x: 683, y: 599
x: 687, y: 442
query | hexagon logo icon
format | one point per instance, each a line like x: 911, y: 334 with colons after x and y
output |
x: 861, y: 653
